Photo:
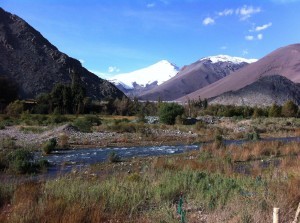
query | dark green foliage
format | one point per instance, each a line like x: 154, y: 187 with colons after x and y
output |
x: 86, y: 123
x: 83, y: 125
x: 275, y: 111
x: 219, y: 140
x: 57, y: 119
x: 169, y: 111
x: 253, y: 136
x: 228, y: 111
x: 93, y: 119
x: 21, y: 162
x: 63, y: 99
x: 113, y: 157
x: 289, y: 109
x: 49, y: 146
x: 8, y: 92
x: 15, y: 108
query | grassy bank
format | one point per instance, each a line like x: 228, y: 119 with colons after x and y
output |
x: 219, y: 184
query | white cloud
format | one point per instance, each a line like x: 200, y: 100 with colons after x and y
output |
x: 260, y: 28
x: 101, y: 74
x: 247, y: 11
x: 208, y: 21
x: 226, y: 12
x: 223, y: 47
x: 150, y: 5
x: 113, y: 69
x: 245, y: 52
x: 260, y: 36
x: 250, y: 38
x: 81, y: 61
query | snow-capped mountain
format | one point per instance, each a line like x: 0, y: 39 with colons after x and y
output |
x: 226, y: 58
x: 195, y: 76
x: 146, y: 78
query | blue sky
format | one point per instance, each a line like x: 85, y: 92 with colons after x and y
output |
x: 117, y: 36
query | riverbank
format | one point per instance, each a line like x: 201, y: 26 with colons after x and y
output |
x: 234, y: 183
x: 69, y: 136
x: 111, y: 133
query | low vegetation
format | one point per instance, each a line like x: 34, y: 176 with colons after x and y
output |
x: 219, y: 182
x: 15, y: 160
x: 237, y: 183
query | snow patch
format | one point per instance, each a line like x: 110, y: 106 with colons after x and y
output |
x: 226, y: 58
x: 158, y: 72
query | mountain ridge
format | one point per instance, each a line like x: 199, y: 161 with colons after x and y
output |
x: 284, y: 61
x: 193, y: 77
x: 35, y: 65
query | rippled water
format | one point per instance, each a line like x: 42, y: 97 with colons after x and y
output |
x: 81, y: 157
x: 65, y: 160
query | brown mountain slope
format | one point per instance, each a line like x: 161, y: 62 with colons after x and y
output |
x: 264, y: 92
x: 32, y: 63
x: 191, y: 78
x: 284, y: 61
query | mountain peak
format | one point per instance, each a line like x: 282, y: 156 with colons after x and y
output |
x: 158, y: 72
x: 226, y: 58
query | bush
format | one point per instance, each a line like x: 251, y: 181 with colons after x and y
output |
x: 113, y: 157
x: 57, y: 119
x: 218, y: 141
x: 49, y: 146
x: 169, y: 111
x: 93, y: 119
x: 289, y: 109
x: 15, y: 108
x: 21, y: 161
x: 83, y: 125
x: 253, y: 136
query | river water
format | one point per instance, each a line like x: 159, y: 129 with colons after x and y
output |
x: 66, y: 160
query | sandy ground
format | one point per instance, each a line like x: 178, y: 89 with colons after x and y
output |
x: 66, y: 134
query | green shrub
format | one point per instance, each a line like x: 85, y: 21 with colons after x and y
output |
x: 7, y: 143
x: 21, y: 161
x: 93, y: 119
x: 57, y: 119
x: 169, y: 111
x: 49, y: 146
x: 83, y: 125
x: 15, y: 108
x: 253, y: 136
x: 289, y: 109
x: 113, y: 157
x: 219, y: 140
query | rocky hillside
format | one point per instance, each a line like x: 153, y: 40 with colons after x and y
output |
x: 34, y: 65
x: 264, y: 92
x: 284, y: 61
x: 195, y: 76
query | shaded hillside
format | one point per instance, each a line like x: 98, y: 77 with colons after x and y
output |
x: 264, y: 92
x: 191, y: 78
x: 284, y: 61
x: 32, y: 63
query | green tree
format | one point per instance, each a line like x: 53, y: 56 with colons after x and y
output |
x: 169, y: 111
x: 78, y: 93
x: 274, y: 111
x: 15, y: 108
x: 289, y: 109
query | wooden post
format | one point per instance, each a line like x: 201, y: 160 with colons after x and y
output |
x: 297, y: 214
x: 275, y: 215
